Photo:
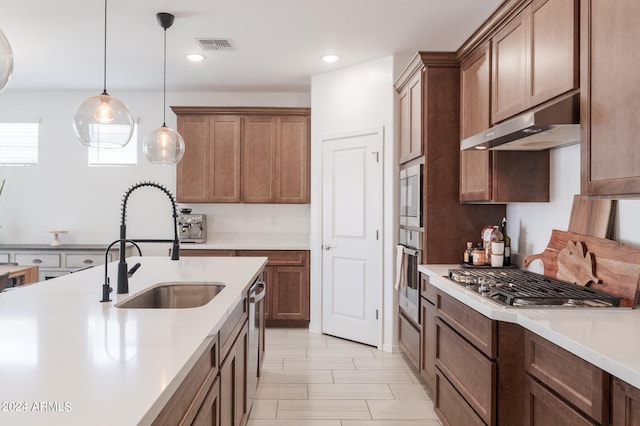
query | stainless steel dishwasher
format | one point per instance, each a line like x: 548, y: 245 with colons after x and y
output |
x: 257, y: 292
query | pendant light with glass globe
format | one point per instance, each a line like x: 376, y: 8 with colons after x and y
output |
x: 6, y: 61
x: 163, y: 145
x: 103, y: 121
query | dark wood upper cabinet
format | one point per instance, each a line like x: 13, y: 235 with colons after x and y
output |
x: 526, y: 55
x: 494, y: 176
x: 535, y: 57
x: 609, y: 101
x: 411, y: 95
x: 210, y: 168
x: 242, y: 154
x: 509, y: 74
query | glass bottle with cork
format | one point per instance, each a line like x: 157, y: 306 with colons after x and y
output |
x: 507, y: 242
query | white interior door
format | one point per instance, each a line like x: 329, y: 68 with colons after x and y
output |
x: 351, y: 235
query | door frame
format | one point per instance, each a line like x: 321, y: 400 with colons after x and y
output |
x: 316, y: 293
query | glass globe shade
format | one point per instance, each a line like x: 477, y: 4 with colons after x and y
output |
x: 6, y: 61
x: 103, y: 122
x: 163, y: 146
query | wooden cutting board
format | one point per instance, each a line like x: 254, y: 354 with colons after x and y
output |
x: 612, y: 267
x: 593, y: 217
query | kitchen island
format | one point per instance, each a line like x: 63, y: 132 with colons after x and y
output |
x: 69, y: 359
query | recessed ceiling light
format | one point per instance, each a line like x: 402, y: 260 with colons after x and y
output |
x: 330, y: 58
x: 196, y: 57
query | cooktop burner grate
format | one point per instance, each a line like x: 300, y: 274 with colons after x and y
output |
x: 520, y: 287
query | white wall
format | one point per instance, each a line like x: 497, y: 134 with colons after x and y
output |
x: 62, y: 192
x: 530, y: 224
x: 351, y: 99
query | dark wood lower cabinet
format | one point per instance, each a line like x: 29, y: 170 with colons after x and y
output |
x: 428, y: 343
x: 579, y: 383
x: 451, y: 407
x: 468, y: 369
x: 625, y: 404
x: 409, y: 339
x: 544, y: 408
x: 286, y: 275
x: 290, y: 293
x: 209, y: 413
x: 233, y: 383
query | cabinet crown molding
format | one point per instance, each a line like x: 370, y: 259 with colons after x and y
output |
x: 236, y: 110
x: 426, y: 59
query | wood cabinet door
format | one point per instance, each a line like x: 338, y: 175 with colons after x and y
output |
x: 411, y: 119
x: 233, y: 390
x: 292, y: 160
x: 509, y: 76
x: 553, y: 52
x: 290, y: 299
x: 475, y: 85
x: 209, y: 413
x: 258, y: 159
x: 609, y: 101
x: 475, y: 166
x: 224, y: 159
x: 625, y: 404
x: 192, y: 172
x: 409, y: 339
x: 428, y: 342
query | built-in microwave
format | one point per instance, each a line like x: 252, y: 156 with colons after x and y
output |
x: 410, y: 214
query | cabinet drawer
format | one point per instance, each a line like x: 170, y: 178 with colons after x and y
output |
x: 409, y: 339
x: 279, y: 257
x: 543, y: 408
x: 450, y: 407
x: 582, y: 384
x: 427, y: 290
x: 42, y: 260
x: 4, y: 257
x: 473, y: 326
x: 471, y: 372
x: 84, y: 260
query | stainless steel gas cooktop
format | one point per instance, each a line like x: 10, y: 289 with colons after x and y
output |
x: 522, y: 288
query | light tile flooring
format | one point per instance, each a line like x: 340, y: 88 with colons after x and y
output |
x: 317, y: 380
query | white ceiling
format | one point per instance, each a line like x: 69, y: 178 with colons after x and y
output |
x: 277, y: 43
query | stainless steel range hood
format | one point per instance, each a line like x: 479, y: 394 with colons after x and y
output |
x: 553, y: 124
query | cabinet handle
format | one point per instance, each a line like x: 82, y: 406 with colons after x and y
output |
x: 36, y: 261
x: 87, y: 261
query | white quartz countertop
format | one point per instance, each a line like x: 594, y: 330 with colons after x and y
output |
x: 251, y: 241
x: 606, y: 337
x: 68, y: 359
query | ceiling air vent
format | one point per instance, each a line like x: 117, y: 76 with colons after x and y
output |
x: 214, y: 43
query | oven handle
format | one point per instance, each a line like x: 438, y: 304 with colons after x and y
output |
x: 411, y: 252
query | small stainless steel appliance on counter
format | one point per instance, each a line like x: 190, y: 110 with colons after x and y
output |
x: 192, y: 228
x: 522, y: 288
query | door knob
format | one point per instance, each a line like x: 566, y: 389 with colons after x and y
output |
x: 327, y: 247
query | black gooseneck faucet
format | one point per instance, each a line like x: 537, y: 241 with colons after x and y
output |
x: 123, y: 279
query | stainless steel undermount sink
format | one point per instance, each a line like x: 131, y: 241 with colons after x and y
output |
x: 173, y: 295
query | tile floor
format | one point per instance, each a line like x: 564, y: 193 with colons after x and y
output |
x: 317, y: 380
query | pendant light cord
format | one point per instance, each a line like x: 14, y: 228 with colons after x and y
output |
x: 164, y: 83
x: 104, y: 92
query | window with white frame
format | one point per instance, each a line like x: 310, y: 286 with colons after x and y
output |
x: 19, y: 143
x: 125, y: 156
